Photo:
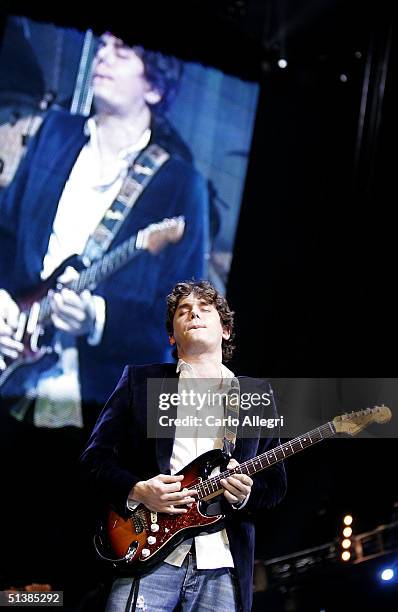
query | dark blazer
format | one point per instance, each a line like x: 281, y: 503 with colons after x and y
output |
x: 119, y: 454
x: 135, y: 295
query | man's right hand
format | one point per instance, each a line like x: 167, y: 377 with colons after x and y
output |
x: 9, y: 314
x: 162, y: 493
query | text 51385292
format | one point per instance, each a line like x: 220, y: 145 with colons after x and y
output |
x: 31, y: 598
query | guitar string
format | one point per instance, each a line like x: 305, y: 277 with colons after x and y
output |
x: 249, y: 467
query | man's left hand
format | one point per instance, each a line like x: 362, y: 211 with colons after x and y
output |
x: 72, y: 312
x: 238, y: 486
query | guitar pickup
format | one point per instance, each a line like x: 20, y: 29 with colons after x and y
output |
x: 33, y: 318
x: 137, y: 523
x: 19, y: 334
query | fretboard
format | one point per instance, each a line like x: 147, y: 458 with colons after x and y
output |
x: 212, y: 485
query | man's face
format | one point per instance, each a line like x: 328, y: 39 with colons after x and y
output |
x: 197, y: 326
x: 119, y: 82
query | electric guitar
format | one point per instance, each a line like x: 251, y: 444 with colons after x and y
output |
x: 35, y: 328
x: 144, y: 539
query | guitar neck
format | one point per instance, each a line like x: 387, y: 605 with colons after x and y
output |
x: 212, y: 487
x: 98, y: 271
x: 107, y: 265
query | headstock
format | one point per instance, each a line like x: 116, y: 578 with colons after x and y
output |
x: 353, y: 422
x: 157, y: 235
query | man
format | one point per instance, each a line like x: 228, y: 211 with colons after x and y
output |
x: 126, y: 467
x: 71, y: 175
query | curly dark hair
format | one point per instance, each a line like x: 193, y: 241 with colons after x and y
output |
x: 205, y: 291
x: 163, y: 73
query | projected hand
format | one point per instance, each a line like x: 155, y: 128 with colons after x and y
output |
x: 9, y: 315
x: 72, y: 312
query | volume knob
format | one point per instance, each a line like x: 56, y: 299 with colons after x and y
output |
x: 151, y: 540
x: 145, y: 552
x: 154, y: 527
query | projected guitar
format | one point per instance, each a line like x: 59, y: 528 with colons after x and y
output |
x: 35, y: 327
x: 144, y: 539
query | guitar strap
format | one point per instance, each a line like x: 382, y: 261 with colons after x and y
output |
x: 231, y: 411
x: 140, y: 173
x: 131, y: 603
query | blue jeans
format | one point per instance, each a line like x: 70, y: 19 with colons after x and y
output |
x: 168, y: 587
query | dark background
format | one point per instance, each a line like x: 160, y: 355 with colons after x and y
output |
x: 314, y: 269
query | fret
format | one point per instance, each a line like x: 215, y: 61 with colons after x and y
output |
x: 288, y: 450
x: 306, y: 440
x: 324, y: 431
x: 251, y: 469
x: 297, y: 442
x: 270, y: 460
x: 315, y: 436
x: 280, y: 449
x: 246, y: 468
x: 216, y: 482
x: 275, y: 457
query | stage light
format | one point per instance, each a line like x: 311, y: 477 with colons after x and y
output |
x: 345, y: 538
x: 387, y: 574
x: 282, y: 63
